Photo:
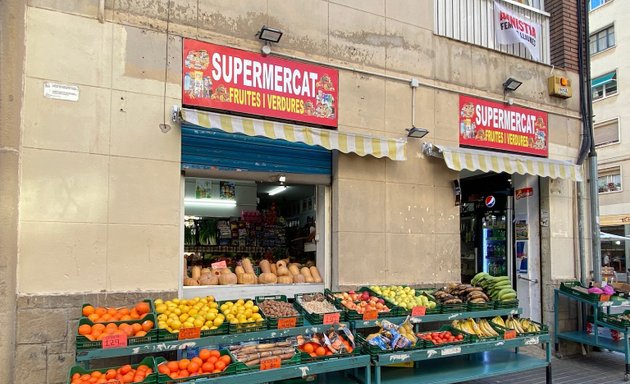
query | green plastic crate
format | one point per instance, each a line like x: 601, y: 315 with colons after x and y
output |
x: 394, y: 311
x: 148, y: 361
x: 430, y: 344
x: 570, y: 287
x: 246, y: 327
x: 476, y: 307
x: 506, y: 304
x: 317, y: 318
x: 83, y: 343
x: 453, y: 308
x: 372, y: 350
x: 543, y: 328
x: 428, y: 311
x: 272, y: 322
x: 476, y: 338
x: 242, y: 367
x: 165, y: 379
x: 151, y: 311
x: 356, y: 351
x: 615, y: 319
x: 166, y: 335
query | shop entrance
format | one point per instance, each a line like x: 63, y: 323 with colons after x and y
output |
x: 500, y: 232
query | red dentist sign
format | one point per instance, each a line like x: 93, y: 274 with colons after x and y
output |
x: 491, y: 125
x: 230, y: 79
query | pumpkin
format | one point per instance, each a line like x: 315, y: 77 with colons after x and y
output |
x: 315, y: 273
x: 205, y: 271
x: 299, y: 278
x: 294, y: 268
x: 283, y: 271
x: 306, y: 272
x: 190, y: 281
x: 196, y: 272
x: 274, y: 269
x: 239, y: 270
x: 208, y: 279
x: 227, y: 278
x: 246, y: 278
x: 264, y: 266
x: 225, y: 271
x: 285, y: 279
x: 267, y: 278
x: 247, y: 265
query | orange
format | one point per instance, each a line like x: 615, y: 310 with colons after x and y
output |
x: 105, y: 317
x: 219, y: 365
x: 173, y: 366
x: 225, y: 359
x: 192, y: 367
x: 96, y: 374
x: 183, y: 373
x: 308, y: 348
x: 93, y: 317
x: 96, y: 333
x: 112, y: 311
x: 123, y: 311
x: 147, y: 325
x: 204, y: 354
x: 111, y: 326
x: 215, y: 352
x: 134, y: 314
x: 86, y: 377
x: 100, y: 311
x: 183, y: 363
x: 88, y: 310
x: 163, y: 369
x: 125, y: 369
x: 98, y: 327
x: 174, y: 375
x: 216, y: 371
x: 320, y: 351
x: 140, y: 334
x: 128, y: 378
x: 207, y: 367
x: 76, y: 376
x: 213, y: 359
x: 85, y: 329
x: 136, y: 327
x: 197, y: 361
x: 142, y: 308
x: 125, y: 318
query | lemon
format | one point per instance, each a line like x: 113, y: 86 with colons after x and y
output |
x: 177, y: 311
x: 240, y: 302
x: 176, y: 324
x: 248, y: 313
x: 176, y: 301
x: 214, y: 305
x: 161, y: 308
x: 193, y: 312
x: 162, y: 324
x: 205, y: 328
x: 255, y: 309
x: 183, y: 317
x: 211, y: 316
x: 249, y: 304
x: 256, y: 316
x: 162, y: 317
x: 218, y: 321
x: 198, y: 323
x: 158, y: 301
x: 234, y: 321
x: 214, y: 327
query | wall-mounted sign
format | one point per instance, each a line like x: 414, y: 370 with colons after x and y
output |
x: 58, y: 91
x: 491, y: 125
x: 523, y: 193
x: 233, y: 80
x: 490, y: 201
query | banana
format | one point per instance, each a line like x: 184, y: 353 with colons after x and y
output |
x: 499, y: 321
x: 525, y: 323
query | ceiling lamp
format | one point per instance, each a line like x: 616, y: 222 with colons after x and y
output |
x: 277, y: 190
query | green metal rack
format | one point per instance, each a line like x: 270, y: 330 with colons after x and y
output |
x: 595, y: 339
x: 439, y: 317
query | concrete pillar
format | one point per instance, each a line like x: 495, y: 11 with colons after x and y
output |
x: 11, y: 73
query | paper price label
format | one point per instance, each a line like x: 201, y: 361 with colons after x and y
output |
x: 115, y: 341
x: 532, y: 340
x: 451, y: 351
x: 370, y: 315
x: 604, y: 297
x: 509, y: 334
x: 418, y: 311
x: 270, y: 363
x: 189, y: 333
x: 219, y: 265
x: 114, y: 381
x: 287, y: 322
x: 331, y: 318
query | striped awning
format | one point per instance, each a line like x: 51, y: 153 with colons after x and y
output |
x: 472, y: 160
x: 362, y: 145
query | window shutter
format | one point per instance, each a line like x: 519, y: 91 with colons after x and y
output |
x: 607, y: 133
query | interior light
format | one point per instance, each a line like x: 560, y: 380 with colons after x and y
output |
x: 277, y: 190
x: 210, y: 203
x: 618, y: 242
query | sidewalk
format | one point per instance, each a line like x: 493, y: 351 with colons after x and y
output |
x: 596, y: 367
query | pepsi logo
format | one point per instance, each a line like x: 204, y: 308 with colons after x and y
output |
x: 490, y: 201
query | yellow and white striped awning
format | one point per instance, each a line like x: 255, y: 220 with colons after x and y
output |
x: 472, y: 160
x: 362, y: 145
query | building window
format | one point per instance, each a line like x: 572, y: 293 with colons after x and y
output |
x: 604, y: 86
x: 593, y: 4
x: 602, y: 40
x: 607, y: 132
x: 609, y: 180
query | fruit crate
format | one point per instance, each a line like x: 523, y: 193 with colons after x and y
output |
x: 429, y: 311
x: 453, y: 308
x: 355, y: 351
x: 242, y: 367
x: 317, y: 318
x: 148, y: 361
x: 166, y: 335
x: 615, y: 319
x: 272, y: 322
x: 506, y: 304
x: 576, y: 289
x: 476, y: 307
x: 83, y: 343
x: 394, y: 311
x: 429, y: 344
x: 165, y: 379
x: 475, y: 338
x: 253, y: 326
x: 370, y: 349
x: 149, y: 302
x: 544, y: 329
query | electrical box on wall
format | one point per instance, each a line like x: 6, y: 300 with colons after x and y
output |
x: 559, y: 86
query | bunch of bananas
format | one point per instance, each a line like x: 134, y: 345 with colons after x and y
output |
x: 481, y: 329
x: 521, y: 325
x: 406, y: 330
x: 499, y: 288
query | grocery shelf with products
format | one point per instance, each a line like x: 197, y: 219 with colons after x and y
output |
x: 604, y: 329
x: 322, y: 336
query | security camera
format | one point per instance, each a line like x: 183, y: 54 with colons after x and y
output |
x: 266, y: 50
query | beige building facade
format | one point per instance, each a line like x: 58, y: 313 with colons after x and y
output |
x: 92, y: 188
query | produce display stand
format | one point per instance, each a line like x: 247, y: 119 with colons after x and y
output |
x: 596, y: 339
x: 454, y: 363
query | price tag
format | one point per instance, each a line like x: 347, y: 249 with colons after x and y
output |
x: 509, y: 334
x: 418, y: 311
x: 532, y: 340
x: 331, y: 318
x: 287, y: 322
x: 451, y: 351
x: 219, y: 265
x: 115, y: 341
x: 604, y: 297
x: 370, y: 315
x: 114, y: 381
x: 270, y: 363
x: 189, y: 333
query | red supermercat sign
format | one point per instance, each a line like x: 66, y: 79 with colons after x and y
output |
x: 230, y: 79
x: 492, y: 125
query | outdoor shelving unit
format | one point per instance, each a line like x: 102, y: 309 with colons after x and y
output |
x: 596, y: 339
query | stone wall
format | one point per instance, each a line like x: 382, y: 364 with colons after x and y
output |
x: 46, y: 330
